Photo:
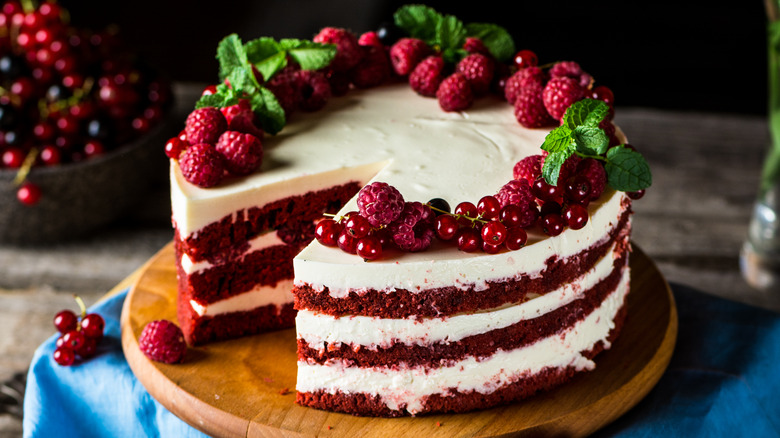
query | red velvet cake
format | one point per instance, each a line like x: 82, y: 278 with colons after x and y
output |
x: 401, y: 306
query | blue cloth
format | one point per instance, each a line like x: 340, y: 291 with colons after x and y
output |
x: 723, y: 381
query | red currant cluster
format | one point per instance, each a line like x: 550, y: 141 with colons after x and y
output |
x: 67, y: 94
x: 353, y: 233
x: 79, y: 335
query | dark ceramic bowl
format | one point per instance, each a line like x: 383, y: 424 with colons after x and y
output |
x: 77, y: 198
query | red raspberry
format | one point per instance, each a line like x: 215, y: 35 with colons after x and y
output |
x: 339, y: 82
x: 610, y: 131
x: 380, y: 203
x: 243, y: 153
x: 406, y: 53
x: 242, y: 109
x: 594, y: 171
x: 559, y: 93
x: 240, y: 117
x: 162, y: 341
x: 475, y: 45
x: 348, y: 52
x: 479, y: 70
x: 529, y: 168
x: 427, y: 76
x: 205, y: 125
x: 455, y: 93
x: 522, y: 79
x: 286, y: 87
x: 529, y: 108
x: 246, y: 126
x: 413, y: 229
x: 314, y: 90
x: 373, y: 69
x: 518, y: 192
x: 202, y: 165
x: 370, y: 38
x: 571, y: 69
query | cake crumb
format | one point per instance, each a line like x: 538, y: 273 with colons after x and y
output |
x: 329, y: 427
x: 438, y: 424
x: 284, y: 391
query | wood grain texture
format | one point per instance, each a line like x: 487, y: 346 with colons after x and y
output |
x: 245, y: 387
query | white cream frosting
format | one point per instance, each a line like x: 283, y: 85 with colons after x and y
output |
x: 265, y: 240
x: 371, y: 332
x: 405, y: 387
x: 260, y: 296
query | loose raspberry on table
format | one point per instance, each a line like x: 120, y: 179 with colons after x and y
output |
x: 454, y: 93
x: 479, y: 70
x: 593, y: 170
x: 205, y: 125
x: 571, y: 69
x: 243, y: 153
x: 380, y: 203
x: 163, y: 341
x: 406, y: 53
x: 314, y: 90
x: 530, y: 110
x: 530, y: 76
x: 475, y: 45
x: 529, y: 168
x: 427, y: 76
x: 559, y: 93
x: 518, y: 192
x: 348, y: 51
x: 202, y: 165
x: 413, y: 229
x: 373, y: 69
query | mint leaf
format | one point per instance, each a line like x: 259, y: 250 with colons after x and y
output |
x: 495, y: 38
x: 450, y: 33
x: 627, y: 170
x: 312, y: 56
x: 552, y: 165
x: 557, y: 140
x: 231, y: 55
x: 267, y: 56
x: 418, y: 21
x: 225, y: 96
x: 588, y: 112
x: 590, y: 140
x: 269, y: 112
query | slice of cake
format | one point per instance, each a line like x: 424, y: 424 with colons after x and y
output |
x: 403, y: 306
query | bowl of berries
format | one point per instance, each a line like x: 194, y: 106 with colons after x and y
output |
x: 81, y: 118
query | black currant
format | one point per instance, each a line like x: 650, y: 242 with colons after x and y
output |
x: 8, y: 116
x: 389, y: 33
x: 438, y: 204
x: 11, y: 67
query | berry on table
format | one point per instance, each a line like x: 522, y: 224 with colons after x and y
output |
x: 64, y: 356
x: 163, y: 341
x: 65, y: 321
x: 28, y: 194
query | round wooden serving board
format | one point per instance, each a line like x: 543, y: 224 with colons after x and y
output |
x: 246, y: 387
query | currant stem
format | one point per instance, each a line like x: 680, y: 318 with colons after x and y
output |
x: 27, y: 165
x: 81, y: 304
x: 458, y: 216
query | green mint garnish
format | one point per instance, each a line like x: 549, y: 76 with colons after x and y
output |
x: 446, y: 33
x: 580, y: 134
x: 268, y: 56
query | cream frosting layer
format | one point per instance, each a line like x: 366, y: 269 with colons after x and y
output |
x: 404, y: 387
x: 260, y: 296
x: 372, y: 332
x: 263, y: 241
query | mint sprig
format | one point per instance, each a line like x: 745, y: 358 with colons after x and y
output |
x: 237, y: 62
x: 580, y: 134
x: 447, y: 34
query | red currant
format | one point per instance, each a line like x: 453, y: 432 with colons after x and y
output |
x: 347, y: 243
x: 603, y: 93
x: 516, y: 238
x: 550, y: 207
x: 369, y: 248
x: 211, y: 89
x: 577, y: 188
x: 93, y: 148
x: 327, y: 232
x: 576, y: 216
x: 468, y: 240
x: 526, y: 58
x: 489, y: 248
x: 13, y: 157
x: 446, y: 226
x: 511, y: 215
x: 92, y: 326
x: 466, y: 209
x: 174, y: 147
x: 28, y: 194
x: 88, y: 349
x: 73, y: 339
x: 544, y: 191
x: 494, y: 233
x: 357, y: 226
x: 50, y: 155
x: 637, y: 194
x: 488, y: 207
x: 65, y: 321
x: 64, y: 356
x: 43, y: 131
x: 552, y: 224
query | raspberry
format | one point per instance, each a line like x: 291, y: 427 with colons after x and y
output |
x: 529, y: 108
x: 286, y: 87
x: 518, y: 192
x: 296, y: 233
x: 610, y: 131
x: 455, y: 93
x: 594, y: 171
x: 370, y: 38
x: 240, y: 117
x: 568, y: 169
x: 242, y: 109
x: 373, y: 69
x: 406, y: 53
x: 205, y: 125
x: 339, y: 82
x: 413, y: 229
x: 314, y: 90
x: 380, y: 203
x: 162, y: 341
x: 475, y: 45
x: 479, y: 70
x: 246, y: 126
x: 571, y: 69
x: 348, y: 51
x: 529, y: 168
x: 202, y: 165
x: 427, y: 76
x: 559, y: 93
x: 522, y: 79
x: 243, y: 153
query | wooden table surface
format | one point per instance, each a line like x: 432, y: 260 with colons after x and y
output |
x: 692, y: 223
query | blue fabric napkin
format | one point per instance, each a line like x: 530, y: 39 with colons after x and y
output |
x: 723, y: 381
